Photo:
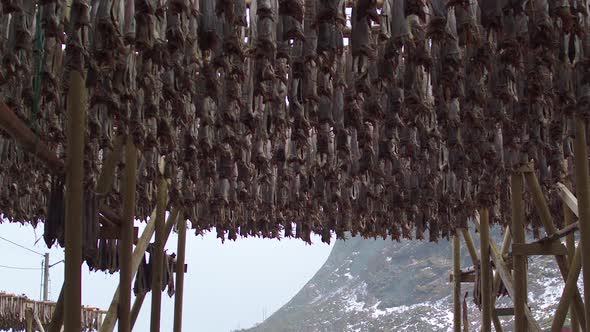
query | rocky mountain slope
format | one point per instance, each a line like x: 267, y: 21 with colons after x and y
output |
x: 382, y: 285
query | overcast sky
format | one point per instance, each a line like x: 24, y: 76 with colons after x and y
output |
x: 228, y: 286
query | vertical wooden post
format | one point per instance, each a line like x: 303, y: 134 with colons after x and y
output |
x: 456, y: 281
x: 568, y: 292
x: 157, y: 268
x: 76, y: 104
x: 583, y: 195
x: 519, y: 261
x: 29, y: 320
x: 571, y: 250
x: 181, y: 252
x: 486, y: 280
x: 126, y: 243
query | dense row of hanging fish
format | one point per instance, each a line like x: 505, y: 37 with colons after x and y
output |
x: 288, y: 115
x: 13, y: 313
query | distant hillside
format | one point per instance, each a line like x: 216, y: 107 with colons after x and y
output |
x: 382, y: 285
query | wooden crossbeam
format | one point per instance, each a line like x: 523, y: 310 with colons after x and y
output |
x: 540, y: 248
x: 504, y: 311
x: 30, y: 142
x: 506, y: 277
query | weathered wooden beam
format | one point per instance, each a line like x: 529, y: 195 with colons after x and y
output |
x: 547, y: 220
x: 543, y: 248
x: 76, y: 107
x: 28, y: 141
x: 583, y: 195
x: 568, y: 198
x: 457, y: 282
x: 506, y: 277
x: 126, y: 244
x: 464, y: 277
x: 157, y: 272
x: 470, y: 245
x: 504, y: 311
x: 38, y: 323
x: 519, y: 261
x: 29, y: 320
x: 138, y: 254
x: 180, y: 270
x: 486, y: 272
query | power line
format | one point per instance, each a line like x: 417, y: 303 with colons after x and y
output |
x: 23, y: 247
x: 20, y: 268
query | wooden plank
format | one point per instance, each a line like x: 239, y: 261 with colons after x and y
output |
x: 464, y: 278
x: 506, y: 277
x: 568, y: 198
x: 504, y: 311
x: 534, y: 249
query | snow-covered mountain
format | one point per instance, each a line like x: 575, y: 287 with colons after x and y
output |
x: 383, y: 285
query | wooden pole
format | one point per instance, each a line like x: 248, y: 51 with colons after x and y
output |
x: 456, y: 282
x: 571, y: 248
x: 126, y: 243
x: 486, y: 282
x: 157, y: 267
x: 181, y: 252
x: 142, y: 244
x: 74, y: 201
x: 583, y: 195
x: 137, y: 308
x: 470, y: 245
x: 519, y: 262
x: 29, y: 320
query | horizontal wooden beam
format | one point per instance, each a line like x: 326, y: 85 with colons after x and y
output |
x: 464, y: 277
x: 504, y: 311
x: 553, y: 248
x: 30, y: 142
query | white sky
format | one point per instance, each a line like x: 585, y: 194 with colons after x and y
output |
x: 228, y: 286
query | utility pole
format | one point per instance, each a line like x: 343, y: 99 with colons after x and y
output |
x: 46, y: 277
